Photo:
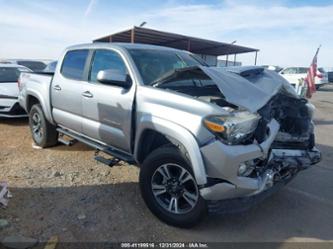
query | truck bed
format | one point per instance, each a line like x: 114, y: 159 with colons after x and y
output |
x: 33, y: 77
x: 36, y: 85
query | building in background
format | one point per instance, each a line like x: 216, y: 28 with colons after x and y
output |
x: 229, y: 63
x: 208, y: 50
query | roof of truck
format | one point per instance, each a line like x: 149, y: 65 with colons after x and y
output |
x: 120, y: 45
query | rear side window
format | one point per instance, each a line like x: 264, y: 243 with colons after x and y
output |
x: 74, y: 63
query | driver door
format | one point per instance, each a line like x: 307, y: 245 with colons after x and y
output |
x: 107, y: 109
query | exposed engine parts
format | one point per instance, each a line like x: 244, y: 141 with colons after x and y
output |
x: 294, y: 117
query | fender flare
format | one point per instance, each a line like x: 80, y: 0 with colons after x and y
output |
x: 179, y: 133
x: 46, y: 108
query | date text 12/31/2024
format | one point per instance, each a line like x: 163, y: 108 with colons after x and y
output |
x: 164, y: 245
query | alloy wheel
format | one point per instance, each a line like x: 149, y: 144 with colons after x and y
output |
x: 37, y: 129
x: 174, y: 188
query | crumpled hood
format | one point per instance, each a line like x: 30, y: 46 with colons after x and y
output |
x: 9, y: 89
x: 248, y: 87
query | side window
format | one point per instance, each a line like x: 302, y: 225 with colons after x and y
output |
x: 106, y: 59
x: 73, y: 64
x: 302, y: 70
x: 293, y: 70
x: 290, y: 70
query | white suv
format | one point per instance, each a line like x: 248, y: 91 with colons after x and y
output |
x: 9, y: 90
x: 294, y: 76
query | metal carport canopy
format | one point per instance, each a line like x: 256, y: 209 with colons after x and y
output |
x: 192, y: 44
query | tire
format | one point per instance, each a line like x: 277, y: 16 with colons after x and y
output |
x: 189, y: 213
x: 43, y: 133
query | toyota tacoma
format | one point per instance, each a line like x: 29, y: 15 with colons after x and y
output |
x: 206, y: 139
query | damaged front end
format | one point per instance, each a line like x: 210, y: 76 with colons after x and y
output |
x: 282, y: 144
x: 262, y: 138
x: 242, y: 175
x: 293, y: 148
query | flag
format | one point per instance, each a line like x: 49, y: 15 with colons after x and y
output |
x: 310, y: 78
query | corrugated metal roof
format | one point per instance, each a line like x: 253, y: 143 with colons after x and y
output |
x: 192, y: 44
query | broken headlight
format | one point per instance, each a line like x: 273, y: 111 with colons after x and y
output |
x: 233, y: 128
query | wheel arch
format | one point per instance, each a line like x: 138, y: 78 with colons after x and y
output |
x: 33, y: 98
x: 154, y: 131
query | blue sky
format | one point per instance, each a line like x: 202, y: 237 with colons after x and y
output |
x: 286, y: 32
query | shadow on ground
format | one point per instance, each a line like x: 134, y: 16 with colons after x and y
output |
x: 327, y: 88
x: 323, y: 122
x: 77, y: 146
x: 15, y: 121
x: 117, y: 213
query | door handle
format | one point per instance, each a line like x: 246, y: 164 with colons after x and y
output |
x: 57, y: 88
x: 87, y: 94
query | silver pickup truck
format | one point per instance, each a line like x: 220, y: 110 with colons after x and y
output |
x: 206, y: 139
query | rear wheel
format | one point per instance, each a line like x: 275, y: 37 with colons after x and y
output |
x: 43, y: 133
x: 169, y: 188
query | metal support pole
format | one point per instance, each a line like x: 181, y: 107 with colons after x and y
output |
x: 226, y: 60
x: 255, y: 60
x: 235, y: 60
x: 188, y: 45
x: 133, y: 35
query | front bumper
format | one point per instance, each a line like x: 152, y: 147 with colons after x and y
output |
x: 10, y: 108
x: 241, y: 204
x: 223, y: 161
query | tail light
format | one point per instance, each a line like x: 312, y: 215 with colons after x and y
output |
x: 20, y: 83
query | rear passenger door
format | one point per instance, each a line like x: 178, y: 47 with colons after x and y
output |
x: 66, y: 92
x: 107, y: 109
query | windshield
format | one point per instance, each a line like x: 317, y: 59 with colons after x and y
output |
x: 153, y: 64
x: 9, y: 74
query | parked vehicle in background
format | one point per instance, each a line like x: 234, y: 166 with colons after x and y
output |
x: 330, y: 77
x: 295, y: 76
x: 9, y: 90
x: 203, y: 136
x: 321, y: 78
x: 34, y: 65
x: 273, y: 68
x: 51, y: 67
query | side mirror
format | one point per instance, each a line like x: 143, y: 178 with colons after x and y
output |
x: 114, y: 77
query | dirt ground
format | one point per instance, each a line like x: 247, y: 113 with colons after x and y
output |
x: 63, y: 191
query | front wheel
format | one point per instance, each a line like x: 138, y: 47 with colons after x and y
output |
x: 169, y: 188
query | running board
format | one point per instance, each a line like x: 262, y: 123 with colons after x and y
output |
x: 118, y: 154
x: 66, y: 142
x: 109, y: 162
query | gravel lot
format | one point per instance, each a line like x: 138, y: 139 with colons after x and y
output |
x: 63, y: 191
